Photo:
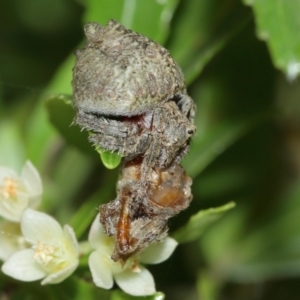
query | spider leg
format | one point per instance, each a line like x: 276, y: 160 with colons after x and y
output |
x: 126, y: 138
x: 128, y: 147
x: 105, y: 125
x: 152, y: 154
x: 187, y: 106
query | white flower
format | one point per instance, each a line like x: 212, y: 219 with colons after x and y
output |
x: 11, y: 239
x: 131, y: 277
x: 18, y: 193
x: 53, y: 254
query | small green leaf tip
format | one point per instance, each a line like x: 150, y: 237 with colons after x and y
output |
x: 199, y: 222
x: 110, y: 159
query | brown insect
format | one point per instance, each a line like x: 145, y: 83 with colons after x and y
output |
x: 138, y: 216
x: 130, y: 93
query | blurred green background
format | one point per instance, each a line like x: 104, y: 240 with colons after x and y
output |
x: 241, y: 65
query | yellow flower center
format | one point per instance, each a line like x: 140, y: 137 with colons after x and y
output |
x: 9, y: 188
x: 49, y: 257
x: 43, y: 253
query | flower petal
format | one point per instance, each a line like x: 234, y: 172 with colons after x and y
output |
x: 17, y: 193
x: 33, y: 183
x: 159, y: 252
x: 101, y: 270
x: 7, y: 173
x: 39, y: 227
x: 136, y: 284
x: 97, y: 237
x: 11, y: 239
x: 12, y: 210
x: 22, y: 266
x: 31, y: 178
x: 71, y: 241
x: 61, y: 275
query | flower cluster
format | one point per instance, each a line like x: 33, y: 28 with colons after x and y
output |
x: 52, y: 254
x: 19, y: 192
x: 16, y: 194
x: 34, y: 246
x: 131, y: 277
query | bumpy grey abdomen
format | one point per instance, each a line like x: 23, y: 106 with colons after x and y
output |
x: 120, y: 72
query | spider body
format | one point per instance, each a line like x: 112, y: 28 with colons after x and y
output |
x: 138, y: 216
x: 130, y: 94
x: 127, y: 91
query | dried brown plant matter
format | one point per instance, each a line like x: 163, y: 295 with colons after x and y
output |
x: 130, y: 94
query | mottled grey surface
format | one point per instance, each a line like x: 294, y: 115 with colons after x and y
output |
x: 139, y: 215
x: 161, y: 136
x: 130, y: 95
x: 120, y: 72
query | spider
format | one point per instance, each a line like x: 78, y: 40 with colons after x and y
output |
x: 130, y: 93
x: 138, y: 216
x: 161, y: 135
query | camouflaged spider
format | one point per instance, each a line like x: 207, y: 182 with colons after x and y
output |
x: 130, y: 93
x: 161, y: 136
x: 139, y: 215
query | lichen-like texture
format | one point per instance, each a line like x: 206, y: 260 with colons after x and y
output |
x: 120, y: 72
x: 130, y: 95
x: 138, y: 217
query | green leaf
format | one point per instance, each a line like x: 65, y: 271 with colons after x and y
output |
x: 207, y: 285
x: 206, y: 148
x: 199, y: 222
x: 278, y: 23
x: 12, y: 152
x: 119, y: 295
x: 102, y: 10
x: 61, y: 115
x: 61, y: 83
x: 267, y: 250
x: 157, y: 16
x: 151, y: 18
x: 110, y: 159
x: 196, y: 38
x: 273, y: 250
x: 85, y: 215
